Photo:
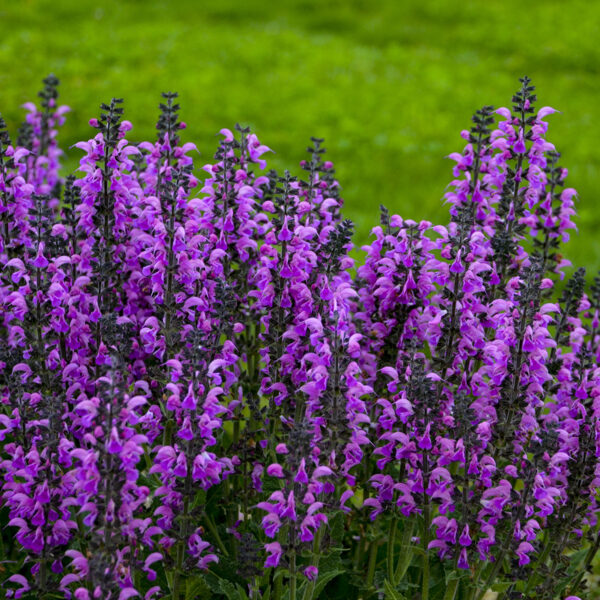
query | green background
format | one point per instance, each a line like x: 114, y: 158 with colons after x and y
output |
x: 388, y: 84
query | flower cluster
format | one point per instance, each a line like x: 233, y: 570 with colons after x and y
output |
x: 206, y: 390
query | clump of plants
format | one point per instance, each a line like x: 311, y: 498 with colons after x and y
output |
x: 204, y: 395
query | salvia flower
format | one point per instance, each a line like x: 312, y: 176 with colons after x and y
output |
x: 206, y: 389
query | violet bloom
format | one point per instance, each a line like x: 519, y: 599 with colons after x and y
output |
x: 196, y: 382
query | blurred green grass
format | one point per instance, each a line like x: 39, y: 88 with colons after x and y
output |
x: 389, y: 84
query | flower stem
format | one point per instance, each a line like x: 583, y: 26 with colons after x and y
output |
x: 405, y: 551
x: 372, y: 562
x: 310, y: 588
x: 293, y: 576
x: 390, y: 550
x: 451, y: 589
x: 425, y: 574
x: 180, y: 556
x: 278, y: 588
x: 492, y: 576
x: 541, y: 563
x: 215, y: 532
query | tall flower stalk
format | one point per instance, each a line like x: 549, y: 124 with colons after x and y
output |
x: 207, y: 391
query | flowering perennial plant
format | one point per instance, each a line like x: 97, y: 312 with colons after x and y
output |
x: 202, y: 395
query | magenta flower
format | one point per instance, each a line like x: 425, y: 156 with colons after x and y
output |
x: 199, y: 383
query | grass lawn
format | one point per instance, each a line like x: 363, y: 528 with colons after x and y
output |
x: 389, y: 84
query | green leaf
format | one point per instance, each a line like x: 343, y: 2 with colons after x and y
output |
x: 391, y: 593
x: 299, y: 591
x: 501, y: 586
x: 451, y: 575
x: 417, y: 550
x: 336, y: 528
x: 576, y: 560
x: 452, y: 584
x: 196, y: 588
x: 324, y: 578
x: 213, y: 582
x: 199, y: 499
x: 233, y: 591
x: 218, y: 585
x: 406, y: 554
x: 278, y: 575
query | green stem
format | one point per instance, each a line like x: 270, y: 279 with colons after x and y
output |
x: 167, y: 431
x: 293, y: 576
x: 236, y: 433
x: 451, y: 589
x: 232, y: 489
x: 180, y: 556
x: 43, y: 575
x: 475, y: 581
x: 541, y: 562
x: 405, y: 551
x: 359, y: 551
x: 278, y: 588
x: 391, y: 542
x: 183, y: 530
x: 310, y: 588
x: 425, y: 579
x: 215, y: 533
x: 372, y: 563
x: 177, y: 572
x: 493, y: 574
